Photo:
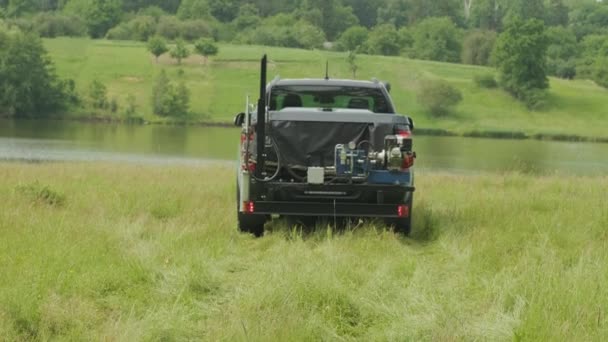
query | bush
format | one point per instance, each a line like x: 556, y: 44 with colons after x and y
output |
x: 485, y: 81
x: 353, y: 38
x: 206, y: 48
x: 535, y: 99
x: 383, y: 40
x: 437, y: 39
x: 191, y: 30
x: 98, y: 95
x: 180, y: 51
x: 169, y: 27
x: 438, y: 97
x: 169, y: 100
x: 157, y: 47
x: 29, y: 85
x: 285, y: 31
x: 140, y: 28
x: 51, y: 25
x: 520, y: 55
x: 477, y: 47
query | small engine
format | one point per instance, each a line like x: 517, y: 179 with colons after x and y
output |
x: 396, y: 156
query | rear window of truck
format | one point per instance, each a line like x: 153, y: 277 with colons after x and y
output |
x: 334, y: 97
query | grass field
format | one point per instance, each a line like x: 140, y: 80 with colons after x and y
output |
x: 219, y: 89
x: 114, y: 252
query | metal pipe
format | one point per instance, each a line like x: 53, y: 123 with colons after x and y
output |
x: 261, y: 125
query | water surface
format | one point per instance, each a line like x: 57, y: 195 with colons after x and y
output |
x: 75, y: 141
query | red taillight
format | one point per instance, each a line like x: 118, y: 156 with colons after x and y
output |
x: 249, y: 207
x: 403, y: 211
x: 408, y: 161
x: 404, y: 133
x: 244, y: 137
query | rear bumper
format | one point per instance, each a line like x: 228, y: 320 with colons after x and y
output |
x: 340, y: 200
x: 336, y: 209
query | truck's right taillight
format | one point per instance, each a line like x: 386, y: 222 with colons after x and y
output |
x: 408, y: 161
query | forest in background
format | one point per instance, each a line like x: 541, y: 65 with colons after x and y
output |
x: 561, y: 38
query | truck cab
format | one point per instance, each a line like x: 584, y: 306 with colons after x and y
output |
x: 324, y: 148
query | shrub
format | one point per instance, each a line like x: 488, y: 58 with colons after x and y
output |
x: 191, y: 30
x: 353, y: 38
x: 169, y: 100
x: 50, y: 25
x: 485, y: 81
x: 438, y: 97
x: 42, y: 194
x: 157, y: 47
x: 206, y: 48
x: 98, y: 95
x: 140, y: 28
x: 169, y: 27
x: 520, y: 55
x: 383, y: 40
x: 180, y: 51
x: 437, y: 39
x: 477, y: 47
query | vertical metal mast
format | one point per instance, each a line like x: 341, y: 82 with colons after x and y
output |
x: 261, y: 125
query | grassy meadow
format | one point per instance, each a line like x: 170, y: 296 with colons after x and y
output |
x: 128, y: 252
x: 219, y: 88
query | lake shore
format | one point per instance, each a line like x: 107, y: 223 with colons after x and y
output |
x: 110, y: 251
x: 421, y: 131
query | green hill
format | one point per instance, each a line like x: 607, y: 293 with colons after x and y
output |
x: 219, y: 89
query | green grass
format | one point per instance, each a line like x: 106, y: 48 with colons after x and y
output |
x: 115, y: 252
x: 219, y: 89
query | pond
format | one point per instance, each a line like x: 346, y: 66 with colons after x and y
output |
x: 158, y: 144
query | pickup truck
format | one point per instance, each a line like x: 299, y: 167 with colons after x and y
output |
x: 324, y: 148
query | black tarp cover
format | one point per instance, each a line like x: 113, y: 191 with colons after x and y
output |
x: 309, y: 137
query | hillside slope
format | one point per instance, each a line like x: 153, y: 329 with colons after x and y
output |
x: 219, y: 89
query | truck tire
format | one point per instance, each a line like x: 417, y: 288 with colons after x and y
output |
x: 249, y: 223
x: 403, y: 225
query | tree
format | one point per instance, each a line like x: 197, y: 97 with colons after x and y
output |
x: 526, y: 9
x: 157, y: 47
x: 437, y: 39
x: 29, y: 85
x: 161, y: 88
x: 353, y: 38
x: 330, y: 15
x: 98, y: 95
x: 169, y: 100
x: 180, y: 51
x: 562, y: 52
x: 383, y: 40
x: 594, y: 63
x: 206, y: 48
x: 487, y: 15
x: 557, y: 13
x: 352, y: 63
x: 477, y: 47
x: 249, y: 16
x: 438, y: 97
x: 193, y: 9
x: 520, y: 55
x: 102, y: 15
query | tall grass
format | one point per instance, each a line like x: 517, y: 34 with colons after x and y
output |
x: 152, y: 253
x: 219, y: 89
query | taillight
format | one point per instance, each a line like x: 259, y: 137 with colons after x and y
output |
x: 408, y: 161
x: 403, y: 133
x: 403, y: 211
x: 249, y: 207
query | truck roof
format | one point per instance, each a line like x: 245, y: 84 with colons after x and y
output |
x: 327, y: 82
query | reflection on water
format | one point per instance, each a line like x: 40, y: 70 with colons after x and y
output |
x: 56, y: 140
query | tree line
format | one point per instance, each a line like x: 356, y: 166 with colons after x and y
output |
x: 525, y: 39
